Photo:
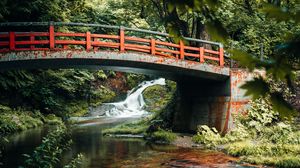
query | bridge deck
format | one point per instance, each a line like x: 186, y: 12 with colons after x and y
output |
x: 118, y: 45
x: 146, y: 63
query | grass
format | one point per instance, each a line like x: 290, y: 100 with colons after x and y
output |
x: 259, y: 137
x: 141, y: 127
x: 164, y: 136
x: 282, y: 161
x: 246, y: 148
x: 137, y: 127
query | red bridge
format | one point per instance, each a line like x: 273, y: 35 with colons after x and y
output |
x: 189, y: 53
x: 209, y: 89
x: 51, y: 40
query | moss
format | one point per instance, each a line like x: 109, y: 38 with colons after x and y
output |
x: 157, y: 97
x: 101, y: 95
x: 52, y: 119
x: 163, y: 136
x: 132, y: 80
x: 137, y: 127
x: 75, y: 109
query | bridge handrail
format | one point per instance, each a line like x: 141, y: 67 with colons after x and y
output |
x: 5, y: 24
x: 181, y: 47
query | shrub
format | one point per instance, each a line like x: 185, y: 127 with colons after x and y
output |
x: 17, y: 120
x: 207, y: 136
x: 49, y: 152
x: 78, y: 162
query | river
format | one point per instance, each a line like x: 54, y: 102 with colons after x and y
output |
x: 104, y: 151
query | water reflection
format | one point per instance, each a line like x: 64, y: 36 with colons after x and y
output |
x: 115, y: 152
x: 20, y: 143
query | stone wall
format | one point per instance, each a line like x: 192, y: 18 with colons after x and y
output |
x: 204, y: 102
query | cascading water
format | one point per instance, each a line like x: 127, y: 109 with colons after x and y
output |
x: 133, y: 105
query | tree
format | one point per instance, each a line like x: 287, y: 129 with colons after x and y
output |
x: 247, y: 25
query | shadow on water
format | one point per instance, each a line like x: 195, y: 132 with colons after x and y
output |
x: 21, y: 143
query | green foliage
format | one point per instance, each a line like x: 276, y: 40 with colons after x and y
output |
x: 164, y: 136
x: 279, y: 155
x: 252, y: 29
x: 207, y: 136
x: 100, y: 95
x: 78, y: 162
x: 285, y: 160
x: 135, y: 128
x: 255, y: 91
x: 157, y: 97
x: 49, y: 152
x: 51, y: 119
x: 62, y: 92
x: 259, y: 115
x: 40, y: 10
x: 17, y: 120
x: 133, y: 80
x: 101, y: 75
x: 258, y: 137
x: 248, y: 148
x: 281, y: 133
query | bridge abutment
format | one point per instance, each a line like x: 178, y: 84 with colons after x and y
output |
x: 212, y: 103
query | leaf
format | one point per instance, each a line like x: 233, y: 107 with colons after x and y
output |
x: 280, y: 13
x: 280, y: 105
x: 256, y: 88
x: 171, y: 7
x: 280, y: 70
x: 217, y: 31
x: 244, y: 59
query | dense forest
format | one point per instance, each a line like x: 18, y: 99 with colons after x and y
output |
x: 257, y: 34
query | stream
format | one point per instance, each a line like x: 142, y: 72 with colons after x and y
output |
x: 104, y: 151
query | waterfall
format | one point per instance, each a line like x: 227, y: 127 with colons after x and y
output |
x: 133, y: 105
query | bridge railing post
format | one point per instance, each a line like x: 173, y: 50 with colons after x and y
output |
x: 88, y: 41
x: 12, y: 44
x: 201, y: 52
x: 221, y: 56
x: 51, y: 36
x: 122, y: 39
x: 152, y: 46
x: 181, y: 49
x: 31, y: 40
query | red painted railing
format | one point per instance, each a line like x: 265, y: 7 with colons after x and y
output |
x: 52, y: 40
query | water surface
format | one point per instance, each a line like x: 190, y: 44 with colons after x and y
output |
x: 103, y: 151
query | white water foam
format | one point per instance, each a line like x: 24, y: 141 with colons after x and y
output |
x: 133, y: 105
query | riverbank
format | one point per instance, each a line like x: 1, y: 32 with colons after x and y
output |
x: 16, y: 120
x: 260, y: 137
